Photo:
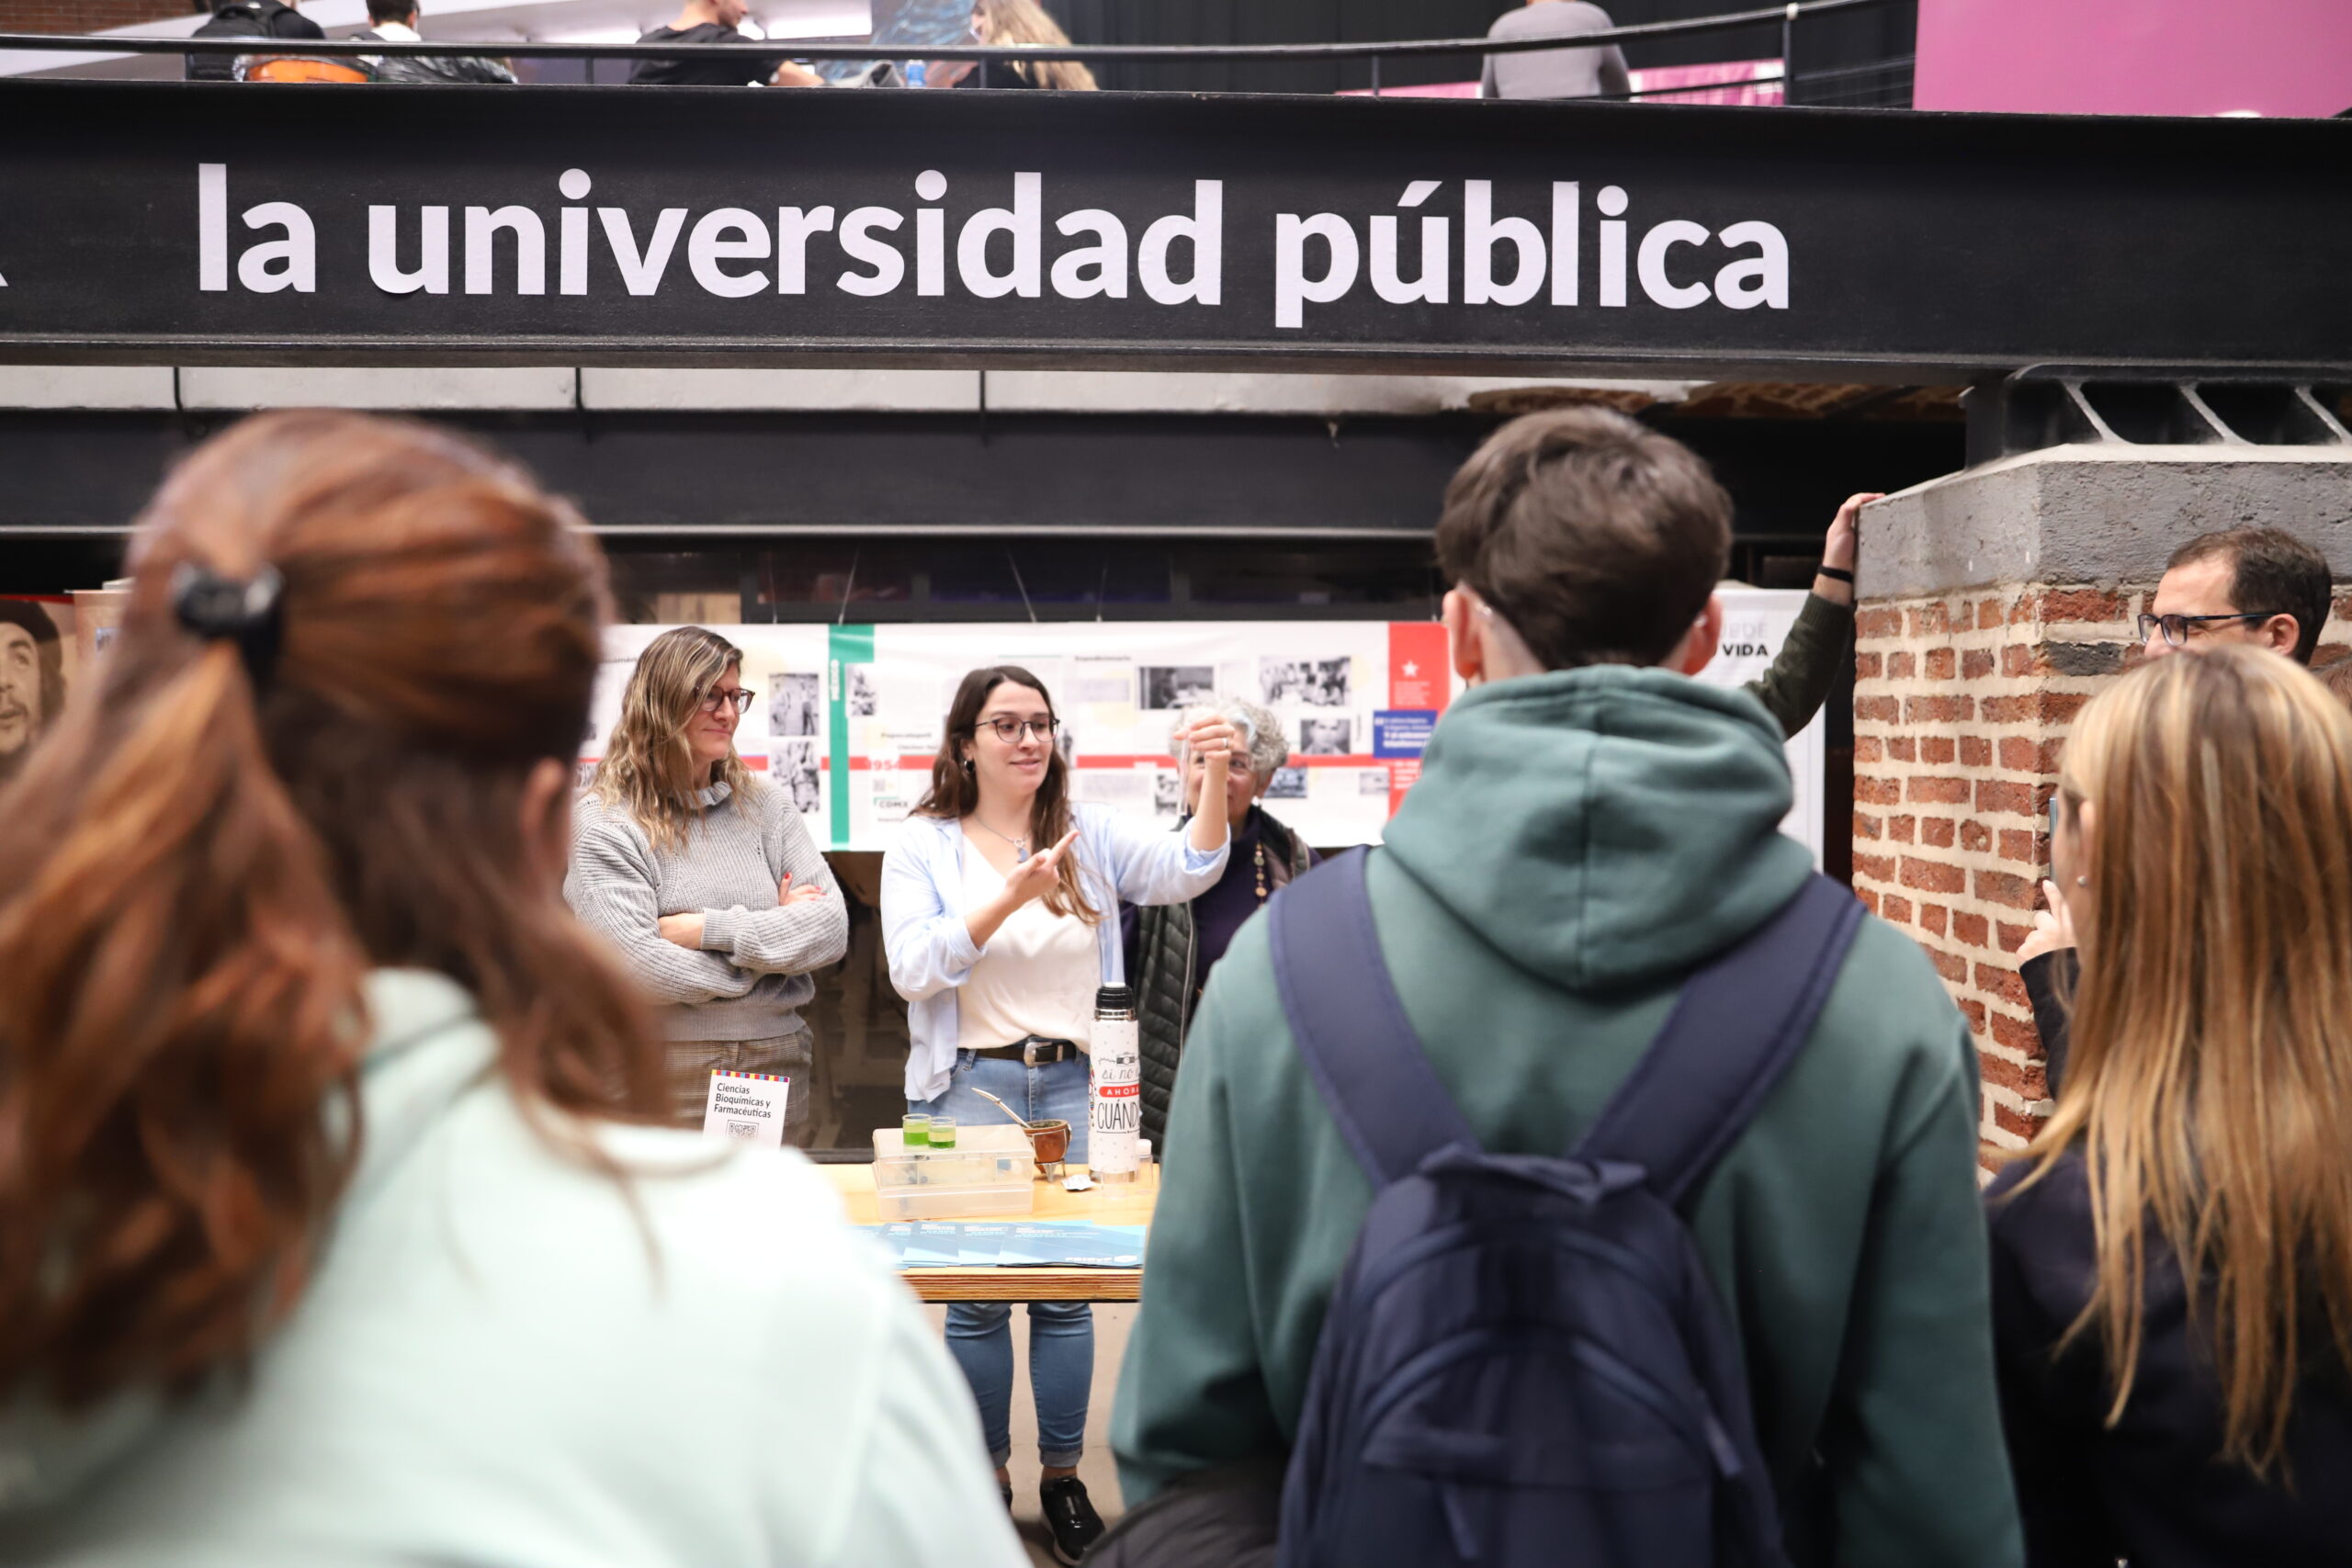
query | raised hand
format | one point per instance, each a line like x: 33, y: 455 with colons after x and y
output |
x: 1035, y: 877
x: 2054, y: 928
x: 1838, y: 549
x: 1212, y: 739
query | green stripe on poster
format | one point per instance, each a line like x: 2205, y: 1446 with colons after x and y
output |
x: 847, y: 645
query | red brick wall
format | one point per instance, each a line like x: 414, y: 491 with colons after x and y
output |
x: 1962, y: 703
x: 85, y: 16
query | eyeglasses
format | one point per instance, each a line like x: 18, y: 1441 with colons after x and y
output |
x: 740, y: 699
x: 1012, y: 731
x: 2176, y: 628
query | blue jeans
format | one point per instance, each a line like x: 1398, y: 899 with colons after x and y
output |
x: 1061, y: 1333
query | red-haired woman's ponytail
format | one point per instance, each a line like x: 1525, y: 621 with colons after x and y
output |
x: 351, y: 646
x: 179, y: 1001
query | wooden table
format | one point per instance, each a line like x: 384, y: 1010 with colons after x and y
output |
x: 1112, y: 1203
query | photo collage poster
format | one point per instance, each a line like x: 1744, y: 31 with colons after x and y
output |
x: 848, y: 717
x: 39, y: 658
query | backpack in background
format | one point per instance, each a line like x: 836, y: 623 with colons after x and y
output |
x: 246, y: 19
x: 1523, y: 1361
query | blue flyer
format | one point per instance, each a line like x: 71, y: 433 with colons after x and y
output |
x: 1402, y: 732
x: 934, y: 1244
x: 981, y: 1243
x: 894, y: 1239
x: 1073, y: 1247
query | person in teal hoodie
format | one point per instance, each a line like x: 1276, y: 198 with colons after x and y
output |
x: 1591, y: 825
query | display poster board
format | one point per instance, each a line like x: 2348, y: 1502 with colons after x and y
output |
x: 848, y: 717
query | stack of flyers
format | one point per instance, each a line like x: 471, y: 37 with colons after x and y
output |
x: 1073, y: 1247
x: 936, y: 1244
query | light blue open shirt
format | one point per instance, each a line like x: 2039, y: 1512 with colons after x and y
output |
x: 931, y: 949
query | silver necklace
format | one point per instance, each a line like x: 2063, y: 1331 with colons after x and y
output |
x: 1020, y: 846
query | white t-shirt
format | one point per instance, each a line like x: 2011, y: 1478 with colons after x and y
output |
x: 1038, y: 974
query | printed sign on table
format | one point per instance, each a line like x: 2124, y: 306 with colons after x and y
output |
x: 747, y: 1107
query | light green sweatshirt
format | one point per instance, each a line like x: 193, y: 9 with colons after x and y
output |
x: 507, y: 1360
x: 1578, y: 842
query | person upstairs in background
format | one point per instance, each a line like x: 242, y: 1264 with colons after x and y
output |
x: 1554, y: 73
x: 395, y: 21
x: 245, y: 18
x: 1590, y: 826
x: 1000, y: 902
x: 327, y: 1235
x: 704, y: 880
x: 1171, y: 948
x: 715, y: 21
x: 2172, y: 1253
x: 1009, y: 24
x: 32, y: 680
x: 2238, y: 587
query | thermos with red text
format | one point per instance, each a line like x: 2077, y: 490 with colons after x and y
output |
x: 1114, y: 1109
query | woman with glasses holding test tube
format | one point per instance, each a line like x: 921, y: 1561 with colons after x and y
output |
x: 999, y: 912
x: 701, y: 874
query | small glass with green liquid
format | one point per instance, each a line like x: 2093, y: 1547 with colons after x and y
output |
x: 914, y: 1131
x: 943, y: 1131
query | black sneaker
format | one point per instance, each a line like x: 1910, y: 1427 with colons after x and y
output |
x: 1071, y: 1518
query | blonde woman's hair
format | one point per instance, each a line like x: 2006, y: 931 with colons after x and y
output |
x: 1013, y: 22
x: 648, y: 767
x: 2208, y: 1084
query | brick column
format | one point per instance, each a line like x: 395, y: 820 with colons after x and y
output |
x: 85, y: 16
x: 1995, y: 605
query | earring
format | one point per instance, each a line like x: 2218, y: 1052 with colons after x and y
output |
x: 2082, y: 881
x: 968, y: 769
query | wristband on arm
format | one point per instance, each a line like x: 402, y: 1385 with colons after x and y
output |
x: 1836, y: 573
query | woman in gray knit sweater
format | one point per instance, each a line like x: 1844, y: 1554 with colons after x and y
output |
x: 703, y: 876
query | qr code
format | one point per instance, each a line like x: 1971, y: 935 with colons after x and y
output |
x: 743, y: 1129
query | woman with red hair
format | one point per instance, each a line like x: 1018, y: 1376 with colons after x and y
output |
x: 333, y: 1225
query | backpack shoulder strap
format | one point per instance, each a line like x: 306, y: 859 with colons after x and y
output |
x: 1351, y: 1027
x: 1738, y: 1025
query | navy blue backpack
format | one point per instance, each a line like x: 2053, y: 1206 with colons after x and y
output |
x: 1523, y: 1360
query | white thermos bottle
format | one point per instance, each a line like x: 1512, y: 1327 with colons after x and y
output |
x: 1114, y: 1109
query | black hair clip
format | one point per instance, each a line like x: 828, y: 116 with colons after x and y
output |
x: 249, y: 614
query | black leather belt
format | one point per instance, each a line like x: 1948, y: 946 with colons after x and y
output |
x: 1034, y: 1052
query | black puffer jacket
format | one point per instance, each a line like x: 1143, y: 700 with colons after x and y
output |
x: 2151, y: 1489
x: 1160, y: 961
x: 435, y: 69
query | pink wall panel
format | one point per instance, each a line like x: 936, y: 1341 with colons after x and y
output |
x: 2177, y: 57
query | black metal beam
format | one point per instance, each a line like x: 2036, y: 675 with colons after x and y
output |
x: 1918, y: 247
x: 668, y: 479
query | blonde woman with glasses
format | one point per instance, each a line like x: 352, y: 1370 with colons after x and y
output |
x: 701, y: 874
x: 2173, y: 1253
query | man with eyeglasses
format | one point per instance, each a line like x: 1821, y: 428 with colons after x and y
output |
x: 2262, y: 586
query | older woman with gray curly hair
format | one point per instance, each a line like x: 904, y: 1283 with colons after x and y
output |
x: 1172, y: 947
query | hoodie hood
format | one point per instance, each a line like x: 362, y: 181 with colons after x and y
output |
x: 429, y: 1049
x: 1603, y: 827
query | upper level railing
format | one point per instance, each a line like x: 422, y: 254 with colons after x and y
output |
x: 1785, y: 16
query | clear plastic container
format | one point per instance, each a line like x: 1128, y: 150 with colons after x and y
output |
x: 991, y: 1171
